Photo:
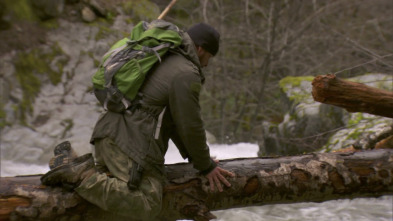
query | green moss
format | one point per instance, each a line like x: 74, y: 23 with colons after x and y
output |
x: 96, y: 63
x: 50, y: 24
x: 110, y: 16
x: 292, y: 87
x: 30, y: 83
x: 293, y: 117
x: 3, y: 115
x: 293, y: 81
x: 68, y: 124
x: 142, y: 9
x: 103, y: 31
x: 91, y: 55
x: 355, y: 135
x: 273, y: 128
x: 89, y: 89
x: 246, y: 126
x: 129, y: 21
x: 28, y: 66
x: 298, y: 98
x: 355, y: 119
x: 20, y: 9
x: 329, y: 145
x: 386, y: 83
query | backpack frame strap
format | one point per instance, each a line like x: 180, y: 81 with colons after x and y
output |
x: 112, y: 53
x: 154, y: 50
x: 159, y: 124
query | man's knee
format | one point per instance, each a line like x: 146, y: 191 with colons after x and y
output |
x: 151, y: 187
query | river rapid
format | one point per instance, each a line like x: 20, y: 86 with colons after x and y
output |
x: 360, y: 209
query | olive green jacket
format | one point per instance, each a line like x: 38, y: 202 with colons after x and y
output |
x: 170, y: 110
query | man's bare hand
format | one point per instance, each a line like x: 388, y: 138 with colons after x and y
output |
x: 217, y: 177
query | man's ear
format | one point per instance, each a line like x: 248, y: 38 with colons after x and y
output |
x: 200, y: 50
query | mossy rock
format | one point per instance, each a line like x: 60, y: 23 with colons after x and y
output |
x: 312, y: 126
x: 361, y: 128
x: 32, y: 68
x: 297, y: 89
x: 141, y: 9
x: 20, y: 10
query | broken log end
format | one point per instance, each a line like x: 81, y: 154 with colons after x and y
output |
x: 321, y: 85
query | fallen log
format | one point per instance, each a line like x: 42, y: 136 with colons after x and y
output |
x: 313, y: 177
x: 354, y: 97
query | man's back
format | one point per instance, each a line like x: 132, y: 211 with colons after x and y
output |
x: 173, y: 69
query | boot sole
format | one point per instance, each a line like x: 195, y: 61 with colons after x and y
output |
x: 63, y: 154
x: 64, y: 147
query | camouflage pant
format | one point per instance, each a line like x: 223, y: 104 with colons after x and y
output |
x: 112, y: 194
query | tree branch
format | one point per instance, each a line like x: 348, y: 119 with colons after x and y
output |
x: 352, y: 96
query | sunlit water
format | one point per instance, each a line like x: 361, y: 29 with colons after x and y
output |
x: 361, y: 209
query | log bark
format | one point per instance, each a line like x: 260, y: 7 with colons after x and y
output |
x: 352, y: 96
x: 259, y: 181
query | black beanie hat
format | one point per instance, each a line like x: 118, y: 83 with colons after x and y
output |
x: 205, y: 36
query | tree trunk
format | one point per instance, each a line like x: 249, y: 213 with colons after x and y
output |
x: 259, y: 181
x: 352, y: 96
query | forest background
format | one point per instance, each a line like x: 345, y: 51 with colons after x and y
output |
x: 265, y: 41
x: 50, y: 49
x: 262, y: 42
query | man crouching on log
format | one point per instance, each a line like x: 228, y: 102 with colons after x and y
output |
x: 127, y: 173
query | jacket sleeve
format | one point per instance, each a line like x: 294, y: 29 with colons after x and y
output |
x: 189, y: 135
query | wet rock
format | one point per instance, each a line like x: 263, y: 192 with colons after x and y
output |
x: 301, y: 129
x: 312, y: 126
x: 72, y: 1
x: 98, y: 7
x: 46, y: 9
x: 62, y: 111
x: 3, y: 23
x: 88, y: 14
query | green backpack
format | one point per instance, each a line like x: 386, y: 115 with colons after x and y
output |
x: 124, y: 67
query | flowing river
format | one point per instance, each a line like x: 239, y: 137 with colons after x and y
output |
x: 360, y: 209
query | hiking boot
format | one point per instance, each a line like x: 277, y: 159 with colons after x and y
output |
x: 63, y: 155
x: 70, y: 175
x: 61, y: 148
